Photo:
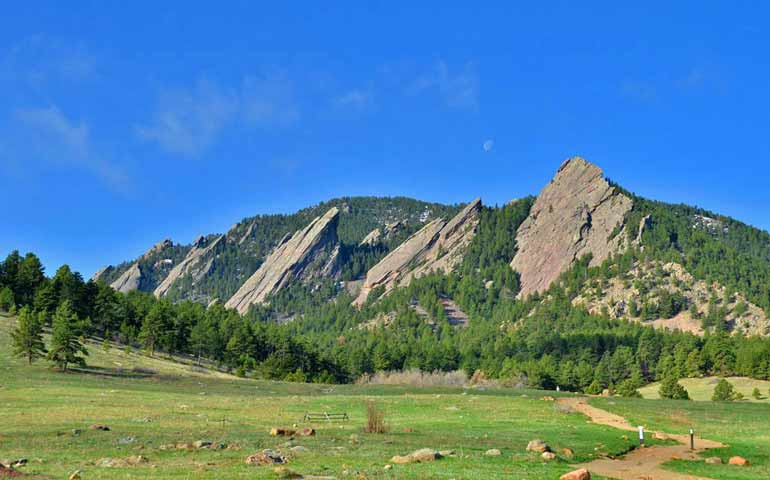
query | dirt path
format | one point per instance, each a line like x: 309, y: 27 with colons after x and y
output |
x: 642, y: 463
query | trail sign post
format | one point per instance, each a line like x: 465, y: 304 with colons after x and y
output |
x: 641, y: 436
x: 692, y: 439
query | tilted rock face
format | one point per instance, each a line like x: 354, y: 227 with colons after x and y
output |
x: 379, y: 234
x: 438, y: 246
x: 129, y: 280
x: 191, y: 264
x: 134, y: 278
x: 574, y: 215
x: 101, y: 272
x: 309, y: 253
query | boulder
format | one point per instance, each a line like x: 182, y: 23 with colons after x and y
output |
x: 567, y: 452
x: 493, y: 452
x: 714, y: 461
x: 418, y: 456
x: 401, y: 460
x: 202, y: 444
x: 548, y: 456
x: 309, y: 253
x: 581, y: 474
x: 100, y: 427
x: 266, y: 457
x: 538, y: 446
x: 438, y: 246
x: 306, y: 432
x: 576, y: 214
x: 425, y: 455
x: 281, y: 432
x: 739, y: 461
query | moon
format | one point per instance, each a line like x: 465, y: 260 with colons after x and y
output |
x: 488, y: 145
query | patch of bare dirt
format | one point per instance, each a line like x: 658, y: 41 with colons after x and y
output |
x: 643, y: 462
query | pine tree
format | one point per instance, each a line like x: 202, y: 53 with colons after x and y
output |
x: 6, y: 299
x: 66, y: 344
x: 154, y: 326
x: 27, y: 337
x: 723, y: 392
x: 670, y: 388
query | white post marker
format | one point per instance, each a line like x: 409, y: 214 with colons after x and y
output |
x: 641, y: 435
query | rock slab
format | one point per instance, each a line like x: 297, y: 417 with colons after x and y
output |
x: 438, y: 246
x: 309, y: 253
x: 576, y: 214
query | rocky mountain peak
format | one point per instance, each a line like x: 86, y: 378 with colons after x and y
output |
x: 575, y: 215
x: 438, y: 246
x: 309, y: 253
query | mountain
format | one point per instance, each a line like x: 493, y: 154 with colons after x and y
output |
x: 312, y: 252
x: 216, y: 266
x: 667, y: 266
x: 578, y: 213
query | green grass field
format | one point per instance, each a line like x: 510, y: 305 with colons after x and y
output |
x: 158, y: 402
x: 701, y: 389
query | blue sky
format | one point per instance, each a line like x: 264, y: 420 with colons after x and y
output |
x: 123, y: 123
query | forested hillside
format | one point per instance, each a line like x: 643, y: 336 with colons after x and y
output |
x: 248, y: 242
x: 578, y: 333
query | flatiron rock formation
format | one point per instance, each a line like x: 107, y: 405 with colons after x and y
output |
x: 438, y: 246
x: 576, y: 214
x: 129, y: 280
x: 309, y: 253
x: 190, y: 265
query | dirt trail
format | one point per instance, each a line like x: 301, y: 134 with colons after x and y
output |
x: 642, y: 463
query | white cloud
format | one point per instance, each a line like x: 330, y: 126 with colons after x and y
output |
x: 459, y: 90
x: 38, y: 60
x: 188, y: 122
x: 354, y: 100
x: 47, y: 135
x: 488, y: 145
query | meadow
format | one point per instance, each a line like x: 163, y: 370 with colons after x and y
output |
x: 150, y: 403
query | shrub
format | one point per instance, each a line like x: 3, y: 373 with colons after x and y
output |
x: 723, y: 392
x: 375, y: 419
x: 671, y: 389
x: 755, y: 393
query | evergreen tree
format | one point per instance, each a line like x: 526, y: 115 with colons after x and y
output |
x: 154, y: 326
x: 670, y: 388
x: 27, y: 337
x: 723, y: 392
x: 66, y: 344
x: 6, y: 299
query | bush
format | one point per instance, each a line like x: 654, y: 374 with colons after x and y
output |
x: 671, y: 389
x: 755, y: 393
x: 375, y: 419
x: 724, y: 392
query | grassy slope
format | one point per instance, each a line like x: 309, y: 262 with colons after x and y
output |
x: 39, y: 409
x: 743, y: 426
x: 701, y: 389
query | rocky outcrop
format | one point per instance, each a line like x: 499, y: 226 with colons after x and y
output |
x: 141, y: 273
x: 577, y: 213
x: 438, y: 246
x: 190, y: 265
x: 380, y: 234
x: 102, y: 272
x: 129, y: 280
x: 309, y: 253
